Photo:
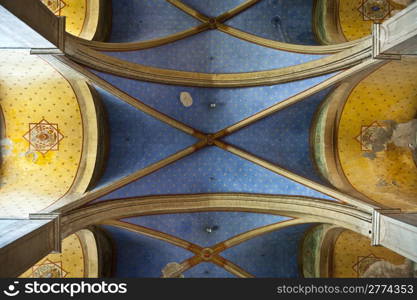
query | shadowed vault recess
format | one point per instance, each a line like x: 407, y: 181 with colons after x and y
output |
x: 231, y: 104
x: 136, y: 20
x: 207, y: 270
x: 214, y: 52
x: 192, y: 227
x: 136, y: 139
x: 213, y: 8
x: 140, y: 256
x: 212, y: 170
x: 268, y: 255
x: 280, y: 20
x: 284, y: 137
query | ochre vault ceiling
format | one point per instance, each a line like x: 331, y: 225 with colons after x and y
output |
x: 41, y: 138
x: 390, y: 94
x: 78, y: 259
x: 73, y: 10
x: 357, y: 16
x: 67, y: 264
x: 353, y: 257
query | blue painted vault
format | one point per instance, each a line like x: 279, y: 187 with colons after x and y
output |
x: 138, y: 140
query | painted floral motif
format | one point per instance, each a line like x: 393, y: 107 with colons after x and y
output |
x: 375, y: 10
x: 370, y: 135
x: 363, y: 263
x: 43, y: 137
x: 48, y: 269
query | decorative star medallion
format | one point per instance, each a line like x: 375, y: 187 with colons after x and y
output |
x: 363, y: 263
x: 368, y: 136
x: 55, y: 5
x: 48, y: 269
x: 43, y: 137
x: 375, y: 10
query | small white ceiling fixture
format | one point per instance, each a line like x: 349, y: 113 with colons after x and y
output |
x: 186, y: 99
